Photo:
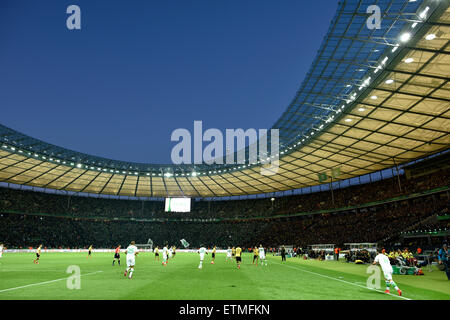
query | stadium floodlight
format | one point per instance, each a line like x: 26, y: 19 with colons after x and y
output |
x: 414, y: 25
x: 361, y: 109
x: 430, y: 36
x: 423, y: 14
x: 389, y: 81
x: 373, y: 97
x: 405, y: 37
x: 409, y: 60
x: 348, y: 120
x: 395, y: 48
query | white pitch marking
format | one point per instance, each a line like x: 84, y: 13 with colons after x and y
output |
x: 45, y: 282
x: 352, y: 283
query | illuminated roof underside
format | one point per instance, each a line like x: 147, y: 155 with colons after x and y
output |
x: 401, y: 114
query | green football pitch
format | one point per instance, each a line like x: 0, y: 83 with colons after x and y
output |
x: 181, y: 279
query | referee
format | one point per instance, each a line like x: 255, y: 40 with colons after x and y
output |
x: 283, y: 253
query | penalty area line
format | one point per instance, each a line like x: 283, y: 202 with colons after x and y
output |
x: 45, y: 282
x: 328, y: 277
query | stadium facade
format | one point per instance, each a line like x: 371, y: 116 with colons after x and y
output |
x: 372, y: 99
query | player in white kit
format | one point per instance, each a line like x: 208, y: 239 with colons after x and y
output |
x: 165, y: 255
x: 228, y: 254
x: 202, y: 252
x: 1, y: 249
x: 131, y: 252
x: 383, y: 261
x: 262, y: 255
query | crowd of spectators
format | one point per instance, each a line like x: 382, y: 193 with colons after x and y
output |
x: 364, y: 225
x: 372, y: 224
x: 28, y: 218
x: 81, y: 206
x: 362, y: 256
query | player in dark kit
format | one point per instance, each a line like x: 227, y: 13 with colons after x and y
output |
x: 38, y: 254
x: 116, y: 255
x: 156, y: 253
x: 255, y: 255
x: 283, y: 254
x: 238, y: 256
x: 213, y: 255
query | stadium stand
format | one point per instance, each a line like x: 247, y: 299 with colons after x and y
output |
x: 38, y: 202
x: 380, y: 213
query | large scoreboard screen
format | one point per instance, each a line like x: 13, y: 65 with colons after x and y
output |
x: 178, y: 205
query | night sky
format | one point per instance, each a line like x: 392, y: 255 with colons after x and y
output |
x: 137, y: 70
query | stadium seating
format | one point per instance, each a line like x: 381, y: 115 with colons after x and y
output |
x: 28, y: 218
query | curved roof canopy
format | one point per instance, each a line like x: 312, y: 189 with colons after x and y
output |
x: 372, y: 98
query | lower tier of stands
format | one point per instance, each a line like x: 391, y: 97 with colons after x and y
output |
x: 378, y: 223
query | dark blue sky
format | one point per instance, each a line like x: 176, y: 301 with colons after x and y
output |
x: 137, y: 70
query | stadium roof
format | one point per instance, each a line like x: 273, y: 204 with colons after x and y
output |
x: 372, y: 99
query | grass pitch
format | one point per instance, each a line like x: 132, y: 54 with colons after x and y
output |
x: 181, y: 279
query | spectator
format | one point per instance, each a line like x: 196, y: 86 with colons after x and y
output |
x: 444, y: 259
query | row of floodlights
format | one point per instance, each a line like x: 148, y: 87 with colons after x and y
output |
x: 84, y: 166
x: 409, y: 232
x: 404, y: 37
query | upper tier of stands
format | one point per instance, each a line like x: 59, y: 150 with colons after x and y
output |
x: 12, y: 200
